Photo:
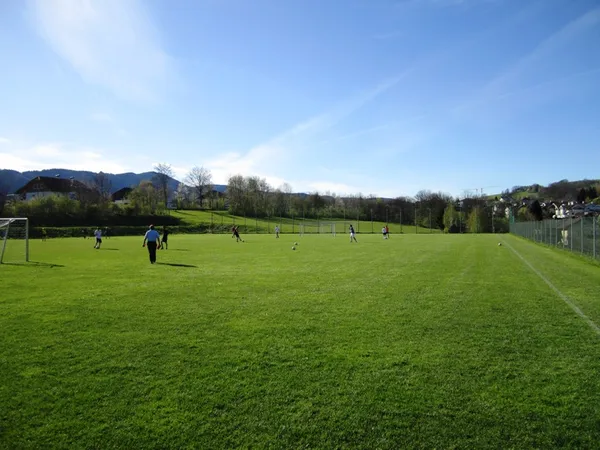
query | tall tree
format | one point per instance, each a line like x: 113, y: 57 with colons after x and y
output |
x: 3, y: 194
x: 163, y: 173
x: 535, y: 209
x: 145, y: 198
x: 451, y: 218
x: 236, y: 194
x: 200, y: 179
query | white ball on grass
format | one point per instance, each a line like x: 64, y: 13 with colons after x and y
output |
x: 499, y: 243
x: 293, y: 248
x: 295, y: 243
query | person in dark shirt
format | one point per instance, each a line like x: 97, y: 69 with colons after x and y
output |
x: 236, y: 233
x: 352, y: 234
x: 165, y: 238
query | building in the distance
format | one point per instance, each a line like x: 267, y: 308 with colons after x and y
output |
x: 121, y: 197
x: 46, y: 186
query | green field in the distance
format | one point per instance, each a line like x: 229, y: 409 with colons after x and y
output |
x: 420, y: 341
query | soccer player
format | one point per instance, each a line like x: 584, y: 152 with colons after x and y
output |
x: 384, y: 233
x: 44, y: 234
x: 277, y: 231
x: 352, y: 235
x: 236, y: 233
x: 98, y: 234
x: 387, y: 232
x: 153, y: 239
x: 165, y: 239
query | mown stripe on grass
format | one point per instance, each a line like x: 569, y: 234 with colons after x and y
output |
x: 566, y: 299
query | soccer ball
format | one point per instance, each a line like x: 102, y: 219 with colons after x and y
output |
x: 295, y: 243
x: 293, y: 248
x: 499, y: 244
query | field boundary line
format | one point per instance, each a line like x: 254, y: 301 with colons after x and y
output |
x: 564, y: 298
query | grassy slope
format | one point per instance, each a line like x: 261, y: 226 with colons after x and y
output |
x: 292, y: 226
x: 419, y: 341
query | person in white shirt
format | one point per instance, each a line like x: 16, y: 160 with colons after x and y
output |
x: 277, y: 231
x: 98, y: 234
x: 383, y: 231
x: 153, y: 239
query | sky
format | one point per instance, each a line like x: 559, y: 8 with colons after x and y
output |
x: 378, y: 97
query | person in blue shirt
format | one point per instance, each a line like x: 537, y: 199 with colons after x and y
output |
x: 153, y: 239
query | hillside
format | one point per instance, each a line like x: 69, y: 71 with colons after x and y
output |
x: 563, y: 190
x: 11, y: 180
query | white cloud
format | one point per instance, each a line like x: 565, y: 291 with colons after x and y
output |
x: 111, y: 43
x: 4, y: 140
x: 57, y: 155
x: 47, y: 150
x: 324, y: 186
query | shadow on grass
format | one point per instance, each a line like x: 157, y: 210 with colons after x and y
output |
x: 177, y: 250
x: 176, y: 265
x: 102, y: 248
x: 34, y: 264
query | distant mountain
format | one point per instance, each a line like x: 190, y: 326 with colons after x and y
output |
x: 14, y: 180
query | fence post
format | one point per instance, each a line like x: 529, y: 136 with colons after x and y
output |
x: 594, y: 236
x: 581, y: 235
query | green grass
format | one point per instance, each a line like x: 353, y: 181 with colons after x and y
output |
x: 218, y: 218
x: 422, y: 341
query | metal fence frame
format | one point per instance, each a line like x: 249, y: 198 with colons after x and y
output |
x: 576, y: 234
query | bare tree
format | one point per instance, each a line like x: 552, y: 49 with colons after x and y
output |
x: 102, y: 185
x: 163, y: 174
x: 200, y: 179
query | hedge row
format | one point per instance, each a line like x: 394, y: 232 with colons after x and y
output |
x: 36, y: 232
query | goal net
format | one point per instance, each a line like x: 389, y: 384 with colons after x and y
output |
x: 14, y: 240
x: 317, y: 228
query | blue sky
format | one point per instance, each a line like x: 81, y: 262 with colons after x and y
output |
x: 372, y: 96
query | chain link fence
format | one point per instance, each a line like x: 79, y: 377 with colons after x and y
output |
x: 576, y: 234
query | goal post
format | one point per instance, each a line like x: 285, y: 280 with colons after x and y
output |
x: 14, y: 239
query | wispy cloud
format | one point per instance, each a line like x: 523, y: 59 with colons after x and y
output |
x: 101, y: 117
x: 111, y: 43
x: 58, y: 155
x: 507, y: 83
x: 269, y: 157
x: 109, y: 121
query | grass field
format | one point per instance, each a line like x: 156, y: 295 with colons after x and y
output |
x: 287, y: 225
x: 421, y: 341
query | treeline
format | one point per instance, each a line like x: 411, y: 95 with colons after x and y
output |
x: 254, y: 197
x: 62, y: 211
x: 249, y: 196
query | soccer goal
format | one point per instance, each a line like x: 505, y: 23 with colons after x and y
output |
x: 14, y: 240
x: 327, y: 228
x: 317, y: 228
